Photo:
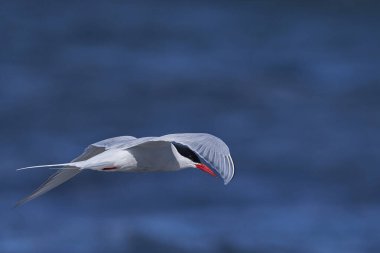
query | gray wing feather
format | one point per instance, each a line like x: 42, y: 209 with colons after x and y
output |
x: 114, y: 142
x: 62, y: 176
x: 210, y: 148
x: 53, y: 181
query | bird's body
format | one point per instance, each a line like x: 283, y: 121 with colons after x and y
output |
x: 129, y: 154
x: 151, y: 156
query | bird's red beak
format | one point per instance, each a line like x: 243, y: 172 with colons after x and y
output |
x: 204, y: 168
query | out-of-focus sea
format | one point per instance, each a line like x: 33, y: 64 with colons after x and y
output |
x: 292, y: 87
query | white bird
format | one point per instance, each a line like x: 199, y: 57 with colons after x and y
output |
x: 170, y: 152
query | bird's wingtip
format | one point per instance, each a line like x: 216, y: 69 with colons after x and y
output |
x: 20, y: 203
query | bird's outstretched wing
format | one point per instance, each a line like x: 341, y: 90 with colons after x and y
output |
x: 210, y: 148
x: 62, y: 176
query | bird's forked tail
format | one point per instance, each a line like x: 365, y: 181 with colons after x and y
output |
x: 73, y: 165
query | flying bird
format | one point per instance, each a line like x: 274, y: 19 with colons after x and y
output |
x: 170, y: 152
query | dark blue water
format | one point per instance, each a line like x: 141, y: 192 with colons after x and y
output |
x: 292, y: 88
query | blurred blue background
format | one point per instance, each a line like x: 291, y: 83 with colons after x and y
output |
x: 291, y: 87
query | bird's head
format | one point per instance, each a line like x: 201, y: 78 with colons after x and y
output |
x: 189, y: 159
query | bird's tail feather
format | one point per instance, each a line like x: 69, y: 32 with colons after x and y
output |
x: 55, y: 166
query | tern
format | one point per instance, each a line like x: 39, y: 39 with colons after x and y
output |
x: 170, y: 152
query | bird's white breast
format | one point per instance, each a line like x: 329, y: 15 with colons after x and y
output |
x: 118, y: 158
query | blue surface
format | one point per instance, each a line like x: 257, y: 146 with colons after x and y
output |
x: 293, y: 89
